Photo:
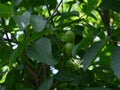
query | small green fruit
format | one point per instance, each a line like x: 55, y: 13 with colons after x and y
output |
x: 68, y: 48
x: 69, y: 37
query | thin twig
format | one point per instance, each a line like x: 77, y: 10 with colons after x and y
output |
x: 5, y: 30
x: 49, y: 11
x: 54, y: 12
x: 39, y: 71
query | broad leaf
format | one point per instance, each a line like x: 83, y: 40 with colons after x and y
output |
x: 84, y: 43
x: 64, y: 76
x: 38, y: 23
x: 110, y: 4
x: 41, y: 51
x: 67, y: 76
x: 36, y: 35
x: 23, y: 20
x: 91, y: 53
x: 97, y: 88
x: 17, y: 2
x: 115, y: 63
x: 91, y: 5
x: 5, y: 10
x: 46, y: 85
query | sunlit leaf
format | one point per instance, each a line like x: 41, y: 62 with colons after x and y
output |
x: 91, y: 5
x: 5, y: 10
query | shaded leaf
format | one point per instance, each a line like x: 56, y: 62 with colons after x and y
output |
x: 38, y: 23
x: 46, y: 85
x: 23, y: 20
x: 4, y: 51
x: 41, y: 51
x: 110, y: 4
x: 11, y: 80
x: 91, y: 53
x: 64, y: 75
x: 67, y: 76
x: 97, y: 88
x: 115, y: 63
x: 115, y: 34
x: 17, y: 2
x: 2, y: 88
x: 84, y: 43
x: 36, y: 35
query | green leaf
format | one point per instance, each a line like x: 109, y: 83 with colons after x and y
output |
x: 46, y: 85
x: 64, y: 76
x: 67, y: 76
x: 91, y: 5
x: 23, y: 20
x: 115, y: 34
x: 110, y: 4
x: 36, y: 35
x: 115, y: 63
x: 68, y: 15
x: 5, y: 10
x: 38, y: 23
x: 2, y: 88
x: 91, y: 53
x: 4, y: 51
x: 97, y: 88
x: 16, y: 53
x: 83, y: 44
x: 12, y: 79
x: 17, y: 2
x: 41, y: 51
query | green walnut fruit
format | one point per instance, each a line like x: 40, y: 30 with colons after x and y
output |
x: 69, y: 37
x: 68, y: 48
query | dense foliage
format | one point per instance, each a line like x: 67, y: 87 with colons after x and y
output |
x: 59, y: 45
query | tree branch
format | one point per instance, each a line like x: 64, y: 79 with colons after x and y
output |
x: 106, y: 21
x: 33, y: 74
